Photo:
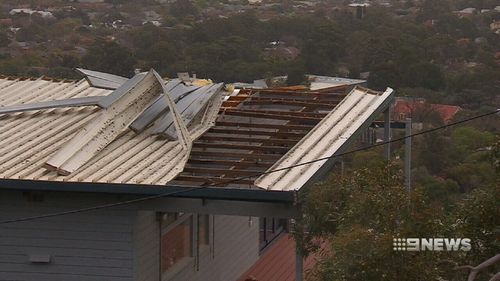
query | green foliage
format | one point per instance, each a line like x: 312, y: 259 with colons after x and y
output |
x: 400, y: 52
x: 296, y: 75
x: 461, y: 155
x: 470, y: 138
x: 360, y: 214
x: 110, y: 57
x: 183, y: 8
x: 477, y: 217
x: 4, y: 39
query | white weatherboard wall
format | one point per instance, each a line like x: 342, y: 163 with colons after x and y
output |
x: 236, y: 248
x: 146, y: 246
x: 91, y: 246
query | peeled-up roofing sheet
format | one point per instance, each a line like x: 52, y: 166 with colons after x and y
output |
x: 29, y: 139
x: 329, y: 137
x: 107, y: 125
x: 194, y: 108
x: 102, y: 80
x: 176, y: 89
x: 189, y: 101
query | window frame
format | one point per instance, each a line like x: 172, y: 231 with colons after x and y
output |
x: 194, y: 255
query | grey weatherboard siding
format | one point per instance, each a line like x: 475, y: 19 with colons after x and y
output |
x: 91, y: 246
x: 110, y: 244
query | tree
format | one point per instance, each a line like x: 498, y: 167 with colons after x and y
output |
x: 183, y: 8
x: 425, y: 75
x: 360, y: 214
x: 110, y: 57
x: 296, y: 74
x: 4, y: 39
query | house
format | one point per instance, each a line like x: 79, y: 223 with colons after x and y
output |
x: 43, y: 14
x: 418, y: 108
x: 110, y: 178
x: 467, y: 12
x: 495, y: 27
x: 359, y: 9
x: 6, y: 22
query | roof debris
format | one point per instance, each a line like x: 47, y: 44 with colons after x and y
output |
x: 184, y: 131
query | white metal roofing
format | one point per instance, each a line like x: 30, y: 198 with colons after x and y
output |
x: 30, y: 139
x: 326, y: 139
x: 102, y: 80
x: 94, y: 142
x: 322, y: 82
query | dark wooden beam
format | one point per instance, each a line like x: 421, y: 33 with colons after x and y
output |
x: 265, y: 126
x: 248, y: 139
x: 340, y: 91
x: 213, y: 180
x: 296, y: 136
x: 279, y: 149
x: 284, y: 112
x: 246, y: 163
x: 296, y: 103
x: 220, y: 172
x: 271, y: 116
x: 239, y: 155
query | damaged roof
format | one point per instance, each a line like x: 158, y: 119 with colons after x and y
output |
x: 146, y: 130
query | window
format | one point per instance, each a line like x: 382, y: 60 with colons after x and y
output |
x: 183, y: 236
x: 203, y: 230
x: 270, y: 228
x: 176, y: 240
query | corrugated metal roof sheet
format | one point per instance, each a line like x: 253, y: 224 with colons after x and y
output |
x: 29, y: 139
x: 102, y: 80
x: 326, y: 139
x: 254, y: 131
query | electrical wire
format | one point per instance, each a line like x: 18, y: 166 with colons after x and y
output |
x: 168, y: 194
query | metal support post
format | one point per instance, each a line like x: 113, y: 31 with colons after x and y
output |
x: 387, y: 133
x: 408, y: 156
x: 299, y: 266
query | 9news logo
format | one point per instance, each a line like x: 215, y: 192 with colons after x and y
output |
x: 431, y: 244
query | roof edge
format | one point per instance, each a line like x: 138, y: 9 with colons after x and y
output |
x: 216, y: 193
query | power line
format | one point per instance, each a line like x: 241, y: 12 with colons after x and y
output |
x: 168, y: 194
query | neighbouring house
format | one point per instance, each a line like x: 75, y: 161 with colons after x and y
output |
x: 418, y: 108
x: 254, y: 2
x: 467, y: 12
x: 174, y: 166
x: 43, y: 14
x: 495, y: 27
x: 359, y: 9
x: 6, y: 22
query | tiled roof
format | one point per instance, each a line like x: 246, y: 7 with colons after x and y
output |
x: 447, y: 112
x: 278, y: 262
